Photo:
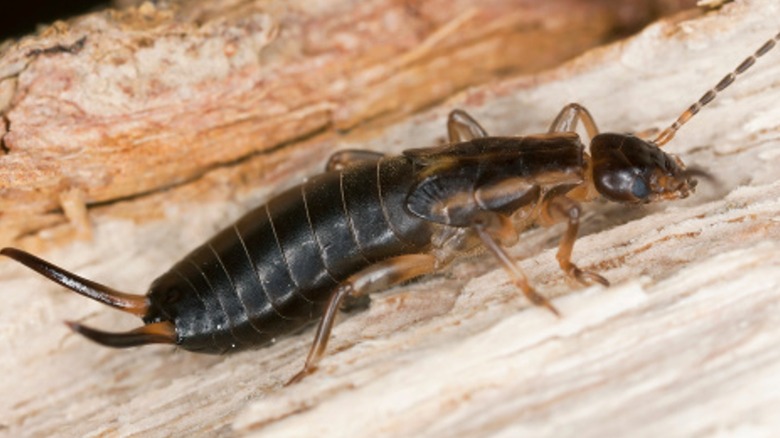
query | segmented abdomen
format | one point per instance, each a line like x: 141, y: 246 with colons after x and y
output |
x: 272, y: 272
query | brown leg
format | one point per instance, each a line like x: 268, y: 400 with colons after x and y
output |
x: 493, y: 228
x: 571, y: 114
x: 341, y: 159
x: 567, y: 119
x: 462, y: 127
x: 376, y: 277
x: 558, y: 209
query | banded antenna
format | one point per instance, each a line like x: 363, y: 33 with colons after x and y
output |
x: 668, y: 133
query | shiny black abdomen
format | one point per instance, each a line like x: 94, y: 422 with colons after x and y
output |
x: 272, y: 272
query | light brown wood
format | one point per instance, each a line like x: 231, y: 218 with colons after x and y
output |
x: 684, y: 343
x: 117, y: 105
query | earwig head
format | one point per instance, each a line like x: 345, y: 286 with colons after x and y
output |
x: 631, y: 170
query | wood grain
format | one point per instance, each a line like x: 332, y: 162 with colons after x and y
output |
x: 120, y: 104
x: 684, y: 343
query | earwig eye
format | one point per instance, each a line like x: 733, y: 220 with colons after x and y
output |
x: 639, y: 189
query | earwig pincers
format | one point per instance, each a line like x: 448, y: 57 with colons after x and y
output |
x: 371, y: 221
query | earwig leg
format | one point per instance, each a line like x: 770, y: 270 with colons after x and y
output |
x: 462, y: 127
x: 341, y: 159
x: 135, y: 304
x: 567, y: 119
x: 375, y: 277
x: 561, y: 208
x: 492, y: 227
x: 155, y: 333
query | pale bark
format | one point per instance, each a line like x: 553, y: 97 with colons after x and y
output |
x: 684, y: 343
x: 117, y: 105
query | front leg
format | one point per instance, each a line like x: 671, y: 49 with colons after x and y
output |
x: 560, y: 208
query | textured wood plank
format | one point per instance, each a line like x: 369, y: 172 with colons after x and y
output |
x: 120, y: 104
x: 685, y: 343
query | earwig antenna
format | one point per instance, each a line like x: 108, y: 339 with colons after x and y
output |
x: 668, y: 133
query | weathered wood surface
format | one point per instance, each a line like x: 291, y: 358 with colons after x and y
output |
x: 121, y: 104
x: 685, y: 342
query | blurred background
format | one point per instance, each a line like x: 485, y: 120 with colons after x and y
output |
x: 26, y: 15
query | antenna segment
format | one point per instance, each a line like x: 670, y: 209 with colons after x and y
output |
x: 668, y: 133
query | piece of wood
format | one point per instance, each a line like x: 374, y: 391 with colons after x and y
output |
x: 117, y: 105
x: 685, y: 342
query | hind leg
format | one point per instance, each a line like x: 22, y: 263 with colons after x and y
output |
x: 371, y: 279
x: 460, y: 127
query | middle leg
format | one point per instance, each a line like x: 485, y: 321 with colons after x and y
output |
x: 567, y: 119
x: 495, y: 231
x: 462, y: 127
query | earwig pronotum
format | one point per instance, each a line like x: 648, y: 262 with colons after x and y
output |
x: 372, y: 221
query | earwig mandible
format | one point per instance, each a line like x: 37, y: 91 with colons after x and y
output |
x: 371, y: 221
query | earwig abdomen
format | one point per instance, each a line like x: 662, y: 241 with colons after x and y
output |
x: 272, y: 272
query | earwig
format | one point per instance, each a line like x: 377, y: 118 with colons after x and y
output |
x: 371, y: 221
